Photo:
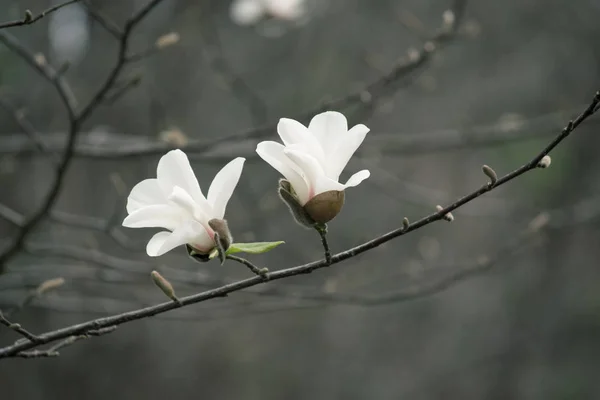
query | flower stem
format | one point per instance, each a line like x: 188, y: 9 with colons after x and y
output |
x: 262, y: 272
x: 322, y: 229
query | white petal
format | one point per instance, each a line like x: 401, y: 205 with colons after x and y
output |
x: 222, y: 186
x: 329, y: 127
x: 145, y: 193
x: 246, y: 12
x: 184, y: 201
x: 190, y: 232
x: 156, y: 216
x: 293, y: 132
x: 358, y: 178
x: 272, y: 153
x: 174, y: 169
x: 314, y: 175
x: 156, y: 243
x: 344, y: 150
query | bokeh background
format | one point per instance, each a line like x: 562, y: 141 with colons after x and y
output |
x: 502, y: 303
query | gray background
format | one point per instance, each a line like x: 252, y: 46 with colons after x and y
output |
x: 525, y: 328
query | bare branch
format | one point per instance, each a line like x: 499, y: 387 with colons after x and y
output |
x: 29, y: 19
x: 83, y: 328
x: 75, y: 119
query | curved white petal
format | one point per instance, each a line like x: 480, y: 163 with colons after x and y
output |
x: 344, y: 150
x: 145, y: 193
x: 174, y: 169
x: 189, y: 232
x: 222, y: 186
x: 357, y: 178
x: 329, y: 128
x: 184, y: 201
x: 293, y: 132
x: 273, y: 153
x: 155, y: 216
x: 314, y: 175
x: 156, y: 242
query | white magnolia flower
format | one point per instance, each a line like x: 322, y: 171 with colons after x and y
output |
x: 249, y: 12
x: 174, y: 201
x: 313, y: 158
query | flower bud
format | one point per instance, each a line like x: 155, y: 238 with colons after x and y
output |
x: 544, y: 162
x: 164, y: 285
x: 325, y: 206
x: 447, y: 217
x: 490, y: 173
x: 287, y: 195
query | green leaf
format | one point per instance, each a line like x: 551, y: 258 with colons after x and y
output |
x: 252, y: 248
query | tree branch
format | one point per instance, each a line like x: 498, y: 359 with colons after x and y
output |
x: 83, y: 328
x: 29, y: 19
x: 75, y: 119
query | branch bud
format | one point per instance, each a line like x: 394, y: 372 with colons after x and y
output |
x: 544, y: 162
x: 48, y: 285
x: 167, y: 40
x: 164, y: 285
x: 448, y: 217
x: 28, y: 17
x: 405, y: 223
x: 490, y: 173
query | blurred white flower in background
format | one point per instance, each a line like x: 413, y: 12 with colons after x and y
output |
x: 69, y: 34
x: 250, y: 12
x: 174, y: 201
x: 273, y: 18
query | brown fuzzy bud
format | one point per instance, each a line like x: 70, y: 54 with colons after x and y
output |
x: 164, y: 285
x: 325, y: 206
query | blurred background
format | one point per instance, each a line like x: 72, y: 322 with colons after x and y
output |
x: 502, y: 303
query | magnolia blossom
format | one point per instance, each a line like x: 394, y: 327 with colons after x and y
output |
x: 249, y: 12
x: 174, y: 201
x: 313, y: 158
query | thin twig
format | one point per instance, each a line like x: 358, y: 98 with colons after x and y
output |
x: 262, y: 272
x: 19, y: 329
x: 29, y: 19
x: 322, y: 229
x: 75, y: 119
x: 60, y: 334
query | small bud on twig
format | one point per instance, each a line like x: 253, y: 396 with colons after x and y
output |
x: 545, y: 162
x: 490, y: 173
x: 167, y: 40
x: 449, y: 18
x: 539, y: 222
x: 405, y: 223
x: 164, y: 285
x: 28, y: 17
x: 48, y: 285
x: 448, y: 217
